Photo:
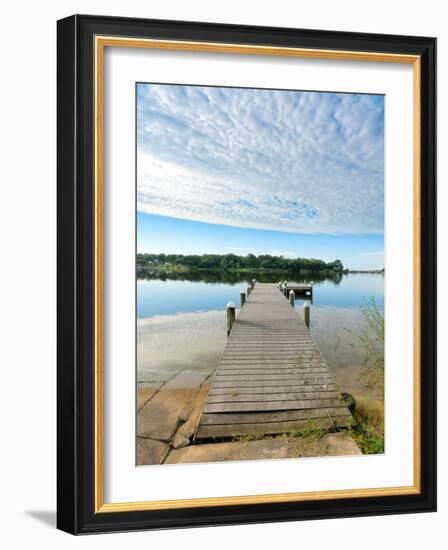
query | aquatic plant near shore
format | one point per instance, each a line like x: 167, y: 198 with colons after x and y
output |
x: 369, y: 415
x: 372, y: 340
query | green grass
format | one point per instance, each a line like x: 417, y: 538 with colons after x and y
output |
x: 309, y: 432
x: 369, y: 430
x: 250, y: 437
x: 369, y: 443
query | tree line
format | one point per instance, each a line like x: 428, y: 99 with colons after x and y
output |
x: 233, y: 262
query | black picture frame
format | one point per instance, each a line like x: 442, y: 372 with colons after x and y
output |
x: 76, y: 273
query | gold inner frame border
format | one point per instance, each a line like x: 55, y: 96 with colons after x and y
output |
x: 101, y: 42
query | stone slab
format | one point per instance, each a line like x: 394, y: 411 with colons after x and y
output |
x: 150, y: 451
x: 337, y: 444
x: 144, y: 393
x: 160, y: 417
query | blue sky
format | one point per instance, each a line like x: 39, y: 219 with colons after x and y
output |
x: 261, y: 171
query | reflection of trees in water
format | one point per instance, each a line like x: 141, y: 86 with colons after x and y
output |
x: 337, y: 278
x: 234, y: 277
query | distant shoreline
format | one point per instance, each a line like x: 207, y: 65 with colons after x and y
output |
x: 234, y: 262
x: 166, y: 268
x: 375, y: 271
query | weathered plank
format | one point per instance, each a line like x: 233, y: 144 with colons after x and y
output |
x: 271, y: 369
x: 272, y: 405
x: 272, y: 355
x: 267, y: 377
x: 272, y: 377
x: 263, y: 384
x: 257, y: 397
x: 258, y: 362
x: 277, y: 416
x: 233, y: 430
x: 273, y: 389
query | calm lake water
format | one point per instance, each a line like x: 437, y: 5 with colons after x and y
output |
x: 168, y: 296
x: 181, y: 320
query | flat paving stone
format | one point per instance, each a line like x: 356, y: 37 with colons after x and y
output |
x: 161, y: 416
x: 337, y: 444
x: 144, y: 393
x: 150, y: 451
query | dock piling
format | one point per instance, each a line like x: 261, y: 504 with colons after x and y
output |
x: 252, y: 284
x: 291, y: 297
x: 242, y: 298
x: 230, y: 316
x: 248, y: 291
x: 306, y: 312
x: 350, y: 401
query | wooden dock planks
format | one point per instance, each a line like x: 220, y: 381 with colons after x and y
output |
x: 272, y: 377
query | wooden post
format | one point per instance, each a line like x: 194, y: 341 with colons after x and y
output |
x: 291, y: 297
x: 285, y: 288
x: 230, y: 316
x: 350, y: 402
x: 306, y: 312
x: 248, y: 291
x: 252, y: 284
x: 242, y: 298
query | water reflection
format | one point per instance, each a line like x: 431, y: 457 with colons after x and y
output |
x: 207, y: 291
x: 233, y: 277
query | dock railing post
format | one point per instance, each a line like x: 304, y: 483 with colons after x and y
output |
x: 291, y: 297
x: 242, y: 298
x: 230, y: 316
x: 306, y: 312
x: 248, y: 291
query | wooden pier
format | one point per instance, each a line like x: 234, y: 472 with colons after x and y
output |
x: 271, y: 377
x: 304, y: 290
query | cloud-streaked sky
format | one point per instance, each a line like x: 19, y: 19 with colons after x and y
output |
x: 173, y: 235
x: 285, y: 161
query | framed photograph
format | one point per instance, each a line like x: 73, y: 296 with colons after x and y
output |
x: 246, y: 274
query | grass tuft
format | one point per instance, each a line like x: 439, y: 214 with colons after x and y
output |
x: 369, y: 430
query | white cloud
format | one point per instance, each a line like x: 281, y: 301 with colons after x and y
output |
x: 289, y: 161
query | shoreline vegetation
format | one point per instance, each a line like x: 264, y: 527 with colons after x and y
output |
x: 369, y: 413
x: 265, y: 263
